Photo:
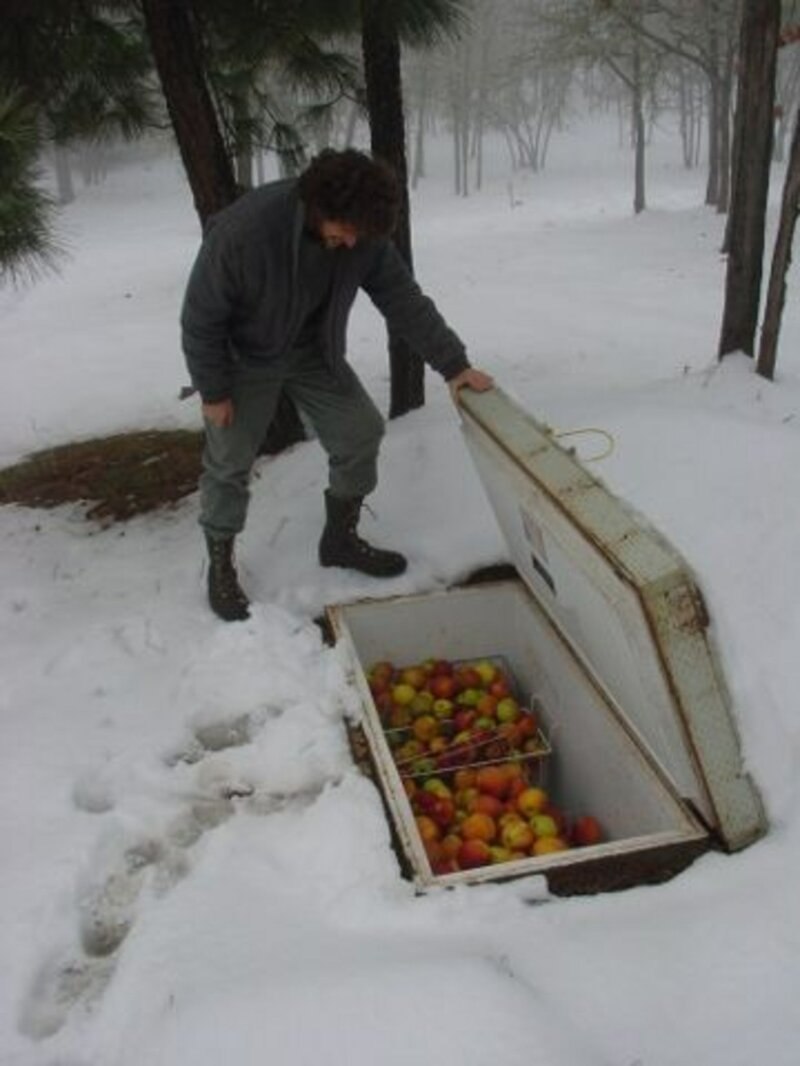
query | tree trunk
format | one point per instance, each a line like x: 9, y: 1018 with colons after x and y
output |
x: 714, y: 107
x: 754, y: 119
x: 686, y: 113
x: 726, y: 91
x: 639, y: 135
x: 177, y: 56
x: 781, y: 260
x: 176, y: 52
x: 419, y: 142
x: 381, y: 52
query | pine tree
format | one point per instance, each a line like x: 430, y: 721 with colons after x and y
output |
x: 27, y: 243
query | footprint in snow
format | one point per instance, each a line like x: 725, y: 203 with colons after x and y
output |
x: 76, y: 975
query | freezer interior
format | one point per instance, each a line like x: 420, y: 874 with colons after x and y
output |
x: 596, y: 764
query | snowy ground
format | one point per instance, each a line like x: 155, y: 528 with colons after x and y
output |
x: 151, y: 913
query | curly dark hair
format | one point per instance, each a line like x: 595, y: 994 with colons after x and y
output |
x: 351, y: 187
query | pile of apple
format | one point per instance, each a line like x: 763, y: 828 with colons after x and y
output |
x: 491, y: 814
x: 464, y: 747
x: 439, y: 715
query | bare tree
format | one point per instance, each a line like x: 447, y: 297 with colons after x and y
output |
x: 758, y: 46
x: 782, y: 254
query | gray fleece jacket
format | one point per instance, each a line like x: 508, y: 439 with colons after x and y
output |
x: 244, y: 300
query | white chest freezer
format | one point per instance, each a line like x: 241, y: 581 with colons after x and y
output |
x: 604, y: 629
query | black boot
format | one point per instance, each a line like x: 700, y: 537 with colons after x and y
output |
x: 224, y: 591
x: 341, y: 545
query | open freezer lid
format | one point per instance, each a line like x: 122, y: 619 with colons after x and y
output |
x: 624, y: 599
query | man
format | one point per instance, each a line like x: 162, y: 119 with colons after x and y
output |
x: 266, y: 310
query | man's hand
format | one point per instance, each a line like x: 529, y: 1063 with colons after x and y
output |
x: 471, y: 378
x: 219, y: 414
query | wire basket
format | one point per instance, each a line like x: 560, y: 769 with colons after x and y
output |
x: 490, y: 744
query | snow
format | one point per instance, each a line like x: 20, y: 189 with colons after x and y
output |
x: 193, y: 869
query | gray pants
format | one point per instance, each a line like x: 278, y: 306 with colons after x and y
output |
x: 347, y: 422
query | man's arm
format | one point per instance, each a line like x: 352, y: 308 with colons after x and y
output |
x: 412, y: 315
x: 205, y: 322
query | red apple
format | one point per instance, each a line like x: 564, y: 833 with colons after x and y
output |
x: 487, y: 705
x: 468, y: 677
x: 586, y: 830
x: 500, y: 688
x: 486, y: 804
x: 463, y: 719
x: 443, y: 686
x: 441, y: 667
x: 474, y: 853
x: 443, y: 812
x: 492, y: 779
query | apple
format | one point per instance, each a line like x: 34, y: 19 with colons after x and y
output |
x: 532, y: 801
x: 548, y: 845
x: 425, y: 727
x: 465, y: 797
x: 543, y: 825
x: 384, y: 704
x: 437, y: 787
x: 473, y: 853
x: 443, y: 708
x: 423, y: 765
x: 427, y: 828
x: 499, y: 853
x: 500, y: 688
x: 403, y: 693
x: 441, y: 668
x: 468, y: 677
x: 510, y: 816
x: 486, y: 670
x: 451, y: 843
x: 443, y: 686
x: 424, y: 801
x: 486, y: 804
x: 517, y: 835
x: 443, y: 812
x: 415, y: 676
x: 422, y: 703
x: 378, y: 685
x: 382, y: 669
x: 487, y: 705
x: 558, y: 817
x: 492, y: 779
x: 469, y: 697
x: 516, y: 786
x: 399, y: 717
x: 586, y: 830
x: 508, y: 710
x: 433, y: 849
x: 464, y: 719
x: 527, y: 725
x: 479, y: 826
x: 464, y: 779
x: 409, y: 750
